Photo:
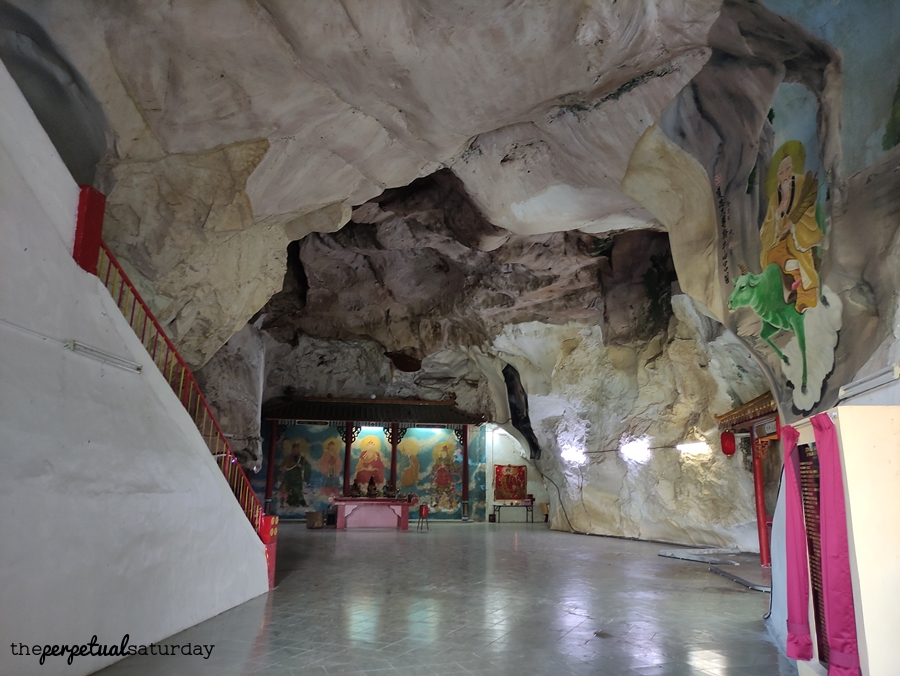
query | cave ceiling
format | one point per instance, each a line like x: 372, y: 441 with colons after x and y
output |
x: 432, y: 172
x: 278, y: 118
x: 407, y: 272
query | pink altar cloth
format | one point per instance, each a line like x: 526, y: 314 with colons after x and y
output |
x: 372, y: 513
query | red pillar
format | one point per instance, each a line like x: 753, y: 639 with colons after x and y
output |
x: 765, y: 557
x: 269, y: 533
x: 89, y: 228
x: 465, y: 472
x: 270, y: 474
x: 348, y: 442
x: 395, y: 437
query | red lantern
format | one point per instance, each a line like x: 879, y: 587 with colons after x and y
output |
x: 728, y: 446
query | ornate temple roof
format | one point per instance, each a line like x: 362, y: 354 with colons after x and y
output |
x: 377, y: 412
x: 752, y: 410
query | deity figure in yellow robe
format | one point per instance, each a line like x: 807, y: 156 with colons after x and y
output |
x: 409, y: 477
x: 330, y: 463
x: 371, y: 462
x: 790, y: 232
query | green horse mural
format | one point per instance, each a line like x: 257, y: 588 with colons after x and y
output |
x: 764, y: 295
x: 787, y: 295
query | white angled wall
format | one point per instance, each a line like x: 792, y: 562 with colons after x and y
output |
x: 114, y: 518
x: 870, y: 458
x: 502, y: 448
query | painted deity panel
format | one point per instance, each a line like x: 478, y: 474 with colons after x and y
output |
x: 309, y: 468
x: 779, y: 303
x: 429, y: 465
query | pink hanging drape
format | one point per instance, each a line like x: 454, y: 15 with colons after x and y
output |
x: 840, y: 618
x: 799, y: 643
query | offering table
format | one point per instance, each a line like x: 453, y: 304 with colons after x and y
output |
x: 372, y: 513
x: 527, y: 504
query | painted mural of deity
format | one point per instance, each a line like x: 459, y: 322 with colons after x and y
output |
x: 445, y: 475
x: 510, y: 482
x: 800, y: 318
x: 790, y: 233
x: 409, y: 448
x: 371, y: 461
x: 294, y: 473
x: 330, y: 465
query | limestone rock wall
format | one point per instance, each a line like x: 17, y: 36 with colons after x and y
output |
x: 184, y: 221
x: 359, y: 369
x: 448, y: 186
x: 613, y: 416
x: 232, y: 383
x: 867, y: 272
x: 710, y: 171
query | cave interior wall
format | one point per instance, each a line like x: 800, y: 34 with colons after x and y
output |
x: 591, y: 220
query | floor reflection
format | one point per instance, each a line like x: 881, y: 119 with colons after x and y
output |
x: 483, y: 600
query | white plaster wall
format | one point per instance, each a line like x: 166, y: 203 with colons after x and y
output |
x: 36, y: 160
x: 777, y: 620
x: 501, y: 448
x: 114, y: 518
x: 869, y: 451
x: 868, y: 437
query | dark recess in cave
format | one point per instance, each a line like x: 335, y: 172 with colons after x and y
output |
x: 442, y: 187
x: 405, y: 360
x: 518, y: 408
x: 296, y: 271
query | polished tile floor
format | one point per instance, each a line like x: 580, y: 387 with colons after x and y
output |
x: 483, y: 599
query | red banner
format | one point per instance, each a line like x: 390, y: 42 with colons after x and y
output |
x: 510, y: 482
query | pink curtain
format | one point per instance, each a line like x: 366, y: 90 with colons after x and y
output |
x: 840, y: 619
x: 799, y: 643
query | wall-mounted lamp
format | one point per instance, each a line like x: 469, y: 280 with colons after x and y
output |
x: 694, y: 447
x: 573, y: 454
x: 635, y: 450
x: 104, y: 357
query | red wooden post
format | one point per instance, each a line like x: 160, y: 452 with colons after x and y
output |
x: 348, y: 442
x: 268, y: 532
x: 765, y: 557
x: 465, y: 472
x: 89, y: 228
x: 395, y: 436
x: 270, y: 473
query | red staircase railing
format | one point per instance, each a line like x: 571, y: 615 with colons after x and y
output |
x: 182, y: 381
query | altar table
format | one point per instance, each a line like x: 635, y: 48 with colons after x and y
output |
x: 527, y: 504
x: 372, y: 513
